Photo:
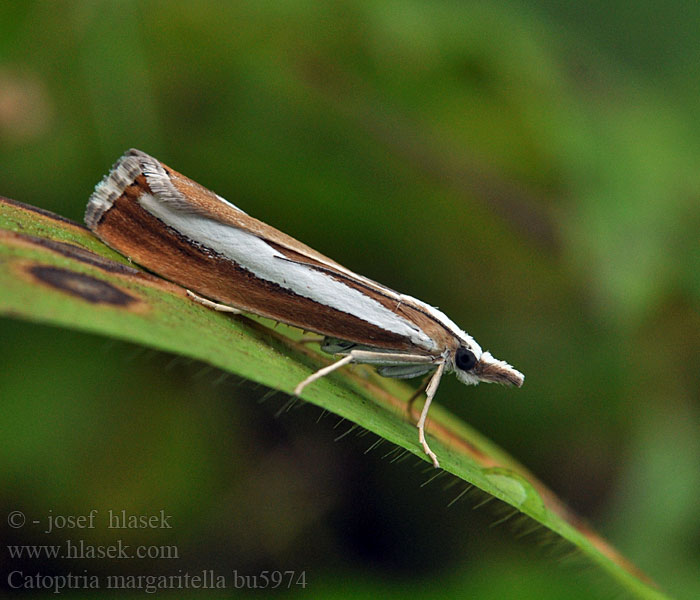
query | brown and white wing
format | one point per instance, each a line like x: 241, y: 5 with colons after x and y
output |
x: 178, y: 229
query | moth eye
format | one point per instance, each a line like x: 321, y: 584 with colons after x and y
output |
x: 465, y: 359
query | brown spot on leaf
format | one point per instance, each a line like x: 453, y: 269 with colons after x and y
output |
x: 81, y: 285
x: 84, y: 256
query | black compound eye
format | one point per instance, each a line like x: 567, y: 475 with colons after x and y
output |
x: 465, y: 359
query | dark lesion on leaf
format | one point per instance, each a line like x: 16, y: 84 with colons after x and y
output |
x: 81, y: 285
x: 84, y: 256
x: 69, y: 250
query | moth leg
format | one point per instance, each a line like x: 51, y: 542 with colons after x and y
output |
x: 379, y: 358
x: 368, y: 357
x: 210, y: 304
x: 429, y: 395
x: 421, y: 388
x: 322, y: 373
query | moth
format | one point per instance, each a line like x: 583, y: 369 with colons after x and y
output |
x: 232, y: 262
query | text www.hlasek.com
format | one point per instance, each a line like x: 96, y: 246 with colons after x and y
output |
x: 80, y: 550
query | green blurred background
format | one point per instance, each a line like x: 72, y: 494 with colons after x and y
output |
x: 532, y: 167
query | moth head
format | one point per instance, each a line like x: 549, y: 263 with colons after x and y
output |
x: 473, y: 366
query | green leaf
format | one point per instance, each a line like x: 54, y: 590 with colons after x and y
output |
x: 55, y: 271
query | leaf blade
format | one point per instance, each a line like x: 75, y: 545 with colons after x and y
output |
x: 55, y: 271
